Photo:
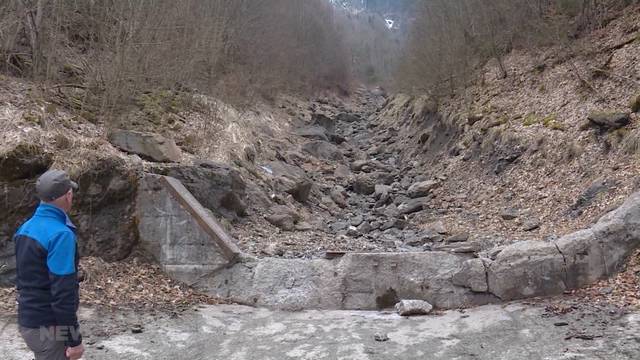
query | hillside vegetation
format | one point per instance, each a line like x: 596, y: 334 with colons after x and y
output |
x: 99, y: 56
x: 451, y: 41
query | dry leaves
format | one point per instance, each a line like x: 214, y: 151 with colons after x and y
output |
x: 621, y: 290
x: 130, y: 284
x: 134, y: 284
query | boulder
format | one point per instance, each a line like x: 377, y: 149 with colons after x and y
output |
x: 218, y: 187
x: 148, y: 145
x: 324, y: 121
x: 584, y: 257
x: 313, y: 132
x: 348, y: 117
x: 360, y: 165
x: 382, y: 194
x: 341, y: 171
x: 103, y: 213
x: 437, y: 227
x: 283, y: 217
x: 364, y: 184
x: 531, y: 224
x: 459, y: 237
x: 291, y: 180
x: 422, y: 188
x: 337, y: 195
x: 365, y: 228
x: 104, y: 210
x: 412, y: 205
x: 609, y: 120
x: 382, y: 191
x: 357, y: 220
x: 430, y: 235
x: 23, y: 161
x: 509, y: 214
x: 302, y: 190
x: 323, y: 150
x: 413, y: 307
x: 337, y: 139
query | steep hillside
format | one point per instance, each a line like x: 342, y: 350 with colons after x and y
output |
x: 518, y: 157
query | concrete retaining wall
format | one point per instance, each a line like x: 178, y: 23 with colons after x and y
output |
x: 192, y: 247
x: 181, y: 234
x: 354, y: 281
x: 532, y: 268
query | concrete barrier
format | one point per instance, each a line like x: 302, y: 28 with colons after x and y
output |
x: 179, y: 232
x: 192, y: 247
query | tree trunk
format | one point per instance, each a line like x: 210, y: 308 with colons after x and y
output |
x: 32, y: 18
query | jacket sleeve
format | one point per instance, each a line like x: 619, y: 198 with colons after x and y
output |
x: 64, y: 286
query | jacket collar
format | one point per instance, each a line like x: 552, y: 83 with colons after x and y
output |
x: 52, y: 211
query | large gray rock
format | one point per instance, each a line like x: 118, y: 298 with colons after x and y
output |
x: 323, y: 150
x: 283, y: 217
x: 19, y: 166
x: 291, y: 179
x: 348, y: 117
x: 337, y: 194
x: 413, y: 205
x: 609, y: 120
x: 179, y: 233
x: 422, y: 188
x: 364, y: 184
x: 413, y: 307
x: 313, y: 132
x: 219, y: 187
x: 104, y: 210
x: 151, y: 146
x: 324, y: 121
x: 584, y: 258
x: 373, y: 281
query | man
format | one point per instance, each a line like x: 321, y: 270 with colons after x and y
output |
x: 47, y: 266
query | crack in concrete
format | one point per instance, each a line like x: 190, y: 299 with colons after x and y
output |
x: 564, y: 268
x: 486, y: 273
x: 486, y: 276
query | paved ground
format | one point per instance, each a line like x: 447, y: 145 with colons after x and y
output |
x: 515, y: 331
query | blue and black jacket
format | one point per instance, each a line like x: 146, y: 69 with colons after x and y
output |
x: 47, y: 267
